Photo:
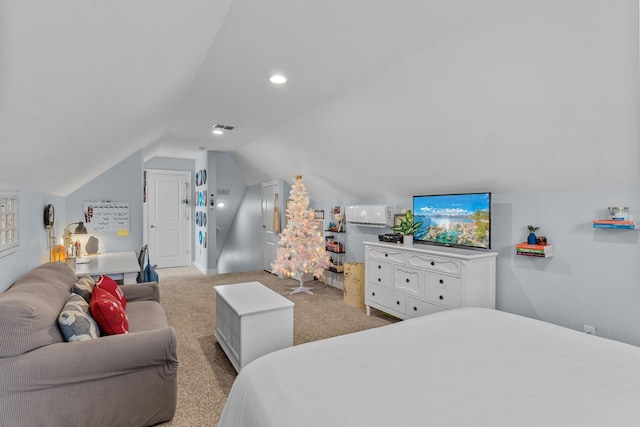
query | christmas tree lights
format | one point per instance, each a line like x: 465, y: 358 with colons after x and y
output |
x: 302, y: 248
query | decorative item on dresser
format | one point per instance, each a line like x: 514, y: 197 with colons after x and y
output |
x: 407, y: 226
x: 411, y: 281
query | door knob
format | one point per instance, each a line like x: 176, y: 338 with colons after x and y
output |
x: 152, y: 226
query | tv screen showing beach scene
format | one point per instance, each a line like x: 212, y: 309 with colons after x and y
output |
x: 462, y: 220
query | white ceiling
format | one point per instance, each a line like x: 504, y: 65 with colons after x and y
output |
x: 384, y: 98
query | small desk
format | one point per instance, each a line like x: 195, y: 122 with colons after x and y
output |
x: 117, y: 265
x: 251, y: 321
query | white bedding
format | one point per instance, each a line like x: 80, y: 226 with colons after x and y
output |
x: 465, y: 367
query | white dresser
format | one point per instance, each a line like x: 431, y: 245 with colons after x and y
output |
x: 414, y: 280
x: 251, y: 321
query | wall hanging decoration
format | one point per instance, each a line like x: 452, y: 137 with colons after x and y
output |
x: 276, y: 215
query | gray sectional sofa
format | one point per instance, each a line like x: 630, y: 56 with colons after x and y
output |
x: 117, y: 380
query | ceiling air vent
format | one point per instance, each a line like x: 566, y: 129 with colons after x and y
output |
x: 223, y: 127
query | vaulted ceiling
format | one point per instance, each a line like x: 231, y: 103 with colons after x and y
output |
x: 383, y: 98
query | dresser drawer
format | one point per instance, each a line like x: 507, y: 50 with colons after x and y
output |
x: 417, y: 307
x: 442, y: 281
x: 390, y: 255
x: 379, y: 272
x: 380, y: 296
x: 443, y: 290
x: 435, y: 264
x: 408, y: 280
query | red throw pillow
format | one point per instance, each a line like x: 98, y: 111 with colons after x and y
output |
x: 110, y: 285
x: 108, y: 312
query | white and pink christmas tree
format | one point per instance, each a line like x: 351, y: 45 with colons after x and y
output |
x: 302, y: 248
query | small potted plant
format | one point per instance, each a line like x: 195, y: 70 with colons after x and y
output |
x: 532, y: 239
x: 407, y: 227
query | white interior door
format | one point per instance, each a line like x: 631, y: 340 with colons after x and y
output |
x: 270, y: 238
x: 168, y: 223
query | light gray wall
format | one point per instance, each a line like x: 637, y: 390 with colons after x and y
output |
x: 212, y: 221
x: 170, y: 163
x: 227, y: 178
x: 32, y: 234
x: 593, y: 277
x: 242, y: 249
x: 121, y: 183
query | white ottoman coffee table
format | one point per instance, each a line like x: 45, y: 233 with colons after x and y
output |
x: 251, y: 321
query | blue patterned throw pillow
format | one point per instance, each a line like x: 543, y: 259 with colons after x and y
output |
x: 75, y: 321
x: 84, y: 287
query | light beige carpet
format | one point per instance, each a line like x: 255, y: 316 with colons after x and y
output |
x: 205, y: 375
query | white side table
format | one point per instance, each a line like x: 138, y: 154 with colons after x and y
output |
x: 251, y: 321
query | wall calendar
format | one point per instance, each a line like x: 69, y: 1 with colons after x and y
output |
x: 107, y: 217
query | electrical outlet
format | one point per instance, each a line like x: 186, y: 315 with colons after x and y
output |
x: 588, y: 329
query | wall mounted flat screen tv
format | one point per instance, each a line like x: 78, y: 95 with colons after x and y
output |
x: 460, y: 220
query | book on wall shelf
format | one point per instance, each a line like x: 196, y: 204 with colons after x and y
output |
x: 615, y: 223
x: 527, y: 249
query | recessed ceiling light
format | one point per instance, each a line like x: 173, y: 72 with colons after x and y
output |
x: 220, y: 204
x: 217, y: 132
x: 278, y: 79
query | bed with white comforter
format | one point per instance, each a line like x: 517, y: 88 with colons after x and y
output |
x: 465, y: 367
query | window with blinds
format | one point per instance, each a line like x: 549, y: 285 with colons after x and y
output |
x: 9, y: 242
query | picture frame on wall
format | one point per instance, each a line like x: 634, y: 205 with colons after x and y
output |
x: 319, y: 214
x: 397, y: 218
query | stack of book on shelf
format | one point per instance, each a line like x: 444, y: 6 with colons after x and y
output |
x: 614, y: 223
x: 526, y: 249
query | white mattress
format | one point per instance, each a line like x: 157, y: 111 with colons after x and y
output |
x: 466, y: 367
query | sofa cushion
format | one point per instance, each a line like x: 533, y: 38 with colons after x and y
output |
x: 76, y: 322
x: 84, y: 287
x: 108, y: 312
x: 29, y: 309
x: 146, y: 316
x: 110, y: 285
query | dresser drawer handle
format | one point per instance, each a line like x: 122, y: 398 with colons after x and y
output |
x: 398, y: 302
x: 415, y: 308
x: 386, y: 255
x: 433, y: 263
x: 379, y: 266
x: 379, y: 279
x: 407, y: 280
x: 441, y: 297
x: 373, y: 294
x: 441, y: 281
